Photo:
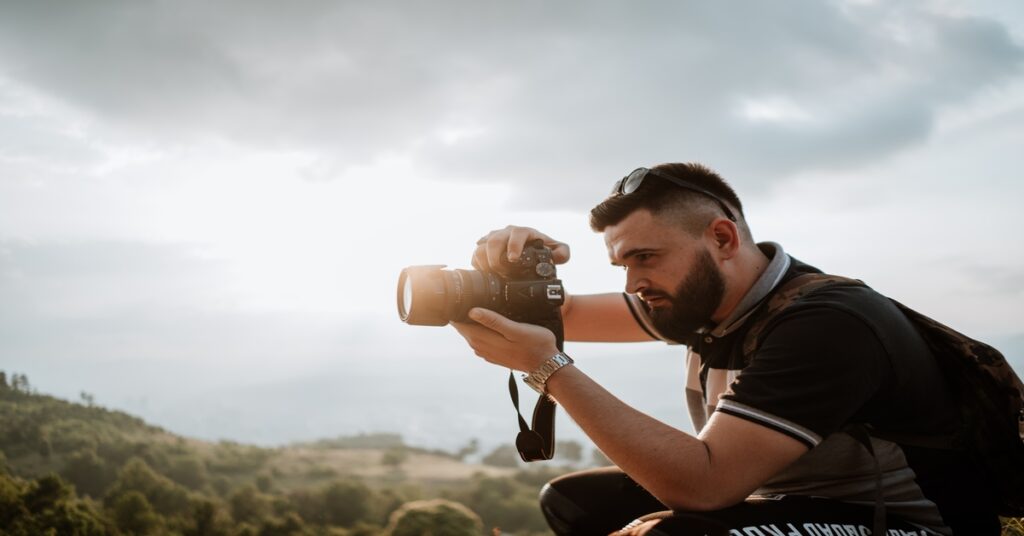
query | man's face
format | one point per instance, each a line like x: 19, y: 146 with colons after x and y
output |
x: 670, y: 270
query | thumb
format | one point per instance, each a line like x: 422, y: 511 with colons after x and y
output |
x: 492, y: 320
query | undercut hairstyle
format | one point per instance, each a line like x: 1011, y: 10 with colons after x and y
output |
x: 693, y: 211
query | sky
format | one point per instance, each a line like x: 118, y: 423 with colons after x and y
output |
x: 205, y: 206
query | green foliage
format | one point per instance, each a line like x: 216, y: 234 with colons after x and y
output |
x: 166, y: 497
x: 507, y: 503
x: 346, y: 502
x: 342, y: 503
x: 207, y: 519
x: 151, y: 482
x: 133, y: 514
x: 503, y: 456
x: 435, y: 517
x: 88, y: 473
x: 46, y: 506
x: 232, y: 458
x: 248, y: 505
x: 188, y: 470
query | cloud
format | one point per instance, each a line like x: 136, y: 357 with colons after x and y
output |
x: 539, y: 95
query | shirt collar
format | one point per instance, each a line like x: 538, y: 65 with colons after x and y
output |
x: 769, y: 279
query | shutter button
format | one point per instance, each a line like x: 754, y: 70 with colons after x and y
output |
x: 708, y: 339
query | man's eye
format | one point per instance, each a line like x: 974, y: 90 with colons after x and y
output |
x: 643, y: 257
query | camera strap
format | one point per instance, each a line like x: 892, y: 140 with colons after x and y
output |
x: 537, y: 443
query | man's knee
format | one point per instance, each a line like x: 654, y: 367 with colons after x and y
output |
x: 560, y: 511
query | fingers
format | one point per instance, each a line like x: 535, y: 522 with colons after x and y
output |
x: 491, y: 320
x: 517, y: 239
x: 496, y: 249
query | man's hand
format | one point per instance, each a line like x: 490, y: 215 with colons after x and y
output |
x: 497, y: 248
x: 503, y: 342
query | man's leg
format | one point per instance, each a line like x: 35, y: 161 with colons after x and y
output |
x: 596, y: 501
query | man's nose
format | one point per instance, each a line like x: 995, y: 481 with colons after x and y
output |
x: 634, y: 282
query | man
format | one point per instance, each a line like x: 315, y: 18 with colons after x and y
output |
x: 773, y: 425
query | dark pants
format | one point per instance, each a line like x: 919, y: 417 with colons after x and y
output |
x: 597, y: 501
x: 602, y: 501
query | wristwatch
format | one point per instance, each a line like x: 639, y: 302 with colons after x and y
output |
x: 538, y: 379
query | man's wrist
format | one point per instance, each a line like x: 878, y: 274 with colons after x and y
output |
x: 538, y: 379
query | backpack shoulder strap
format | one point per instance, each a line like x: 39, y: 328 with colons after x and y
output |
x: 789, y: 293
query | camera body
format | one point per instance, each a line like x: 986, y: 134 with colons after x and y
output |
x: 530, y: 292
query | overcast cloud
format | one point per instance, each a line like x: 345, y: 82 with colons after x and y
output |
x: 188, y: 187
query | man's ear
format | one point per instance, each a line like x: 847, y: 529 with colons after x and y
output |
x: 725, y: 237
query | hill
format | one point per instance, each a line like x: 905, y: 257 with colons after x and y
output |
x: 101, y: 471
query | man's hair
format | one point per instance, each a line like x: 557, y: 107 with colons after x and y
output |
x: 692, y: 210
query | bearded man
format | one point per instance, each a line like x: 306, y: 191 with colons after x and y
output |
x: 768, y: 425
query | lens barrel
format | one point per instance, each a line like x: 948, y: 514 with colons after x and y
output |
x: 431, y: 296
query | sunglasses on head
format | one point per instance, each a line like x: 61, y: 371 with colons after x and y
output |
x: 629, y: 184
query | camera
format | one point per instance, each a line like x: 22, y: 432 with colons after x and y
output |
x: 530, y: 292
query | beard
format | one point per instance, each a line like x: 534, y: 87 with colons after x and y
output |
x: 692, y: 304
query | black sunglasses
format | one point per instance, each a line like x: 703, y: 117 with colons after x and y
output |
x: 628, y: 184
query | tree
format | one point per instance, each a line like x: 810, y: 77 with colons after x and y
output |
x: 188, y: 470
x: 264, y: 483
x: 19, y: 382
x: 436, y: 517
x: 503, y: 456
x: 89, y: 474
x: 345, y: 502
x: 471, y: 448
x: 394, y: 457
x: 46, y: 506
x: 207, y: 520
x: 248, y: 505
x: 134, y: 515
x: 166, y: 497
x: 87, y: 399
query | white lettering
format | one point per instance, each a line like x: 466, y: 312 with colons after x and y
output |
x: 793, y: 530
x: 811, y: 529
x: 773, y: 530
x: 825, y: 530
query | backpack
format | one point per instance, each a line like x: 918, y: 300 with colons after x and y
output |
x: 985, y: 387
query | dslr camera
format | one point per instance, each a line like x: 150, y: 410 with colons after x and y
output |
x: 530, y: 292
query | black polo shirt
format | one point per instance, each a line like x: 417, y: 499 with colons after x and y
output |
x: 845, y: 355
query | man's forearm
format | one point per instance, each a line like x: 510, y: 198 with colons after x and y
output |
x: 600, y: 318
x: 671, y: 464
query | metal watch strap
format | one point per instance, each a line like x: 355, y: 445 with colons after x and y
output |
x: 538, y: 379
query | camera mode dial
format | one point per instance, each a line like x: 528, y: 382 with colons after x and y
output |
x: 545, y: 269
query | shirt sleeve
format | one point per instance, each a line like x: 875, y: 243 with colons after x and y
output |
x: 817, y: 367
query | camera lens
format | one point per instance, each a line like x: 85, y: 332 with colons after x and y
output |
x: 406, y: 303
x: 430, y: 296
x: 421, y: 296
